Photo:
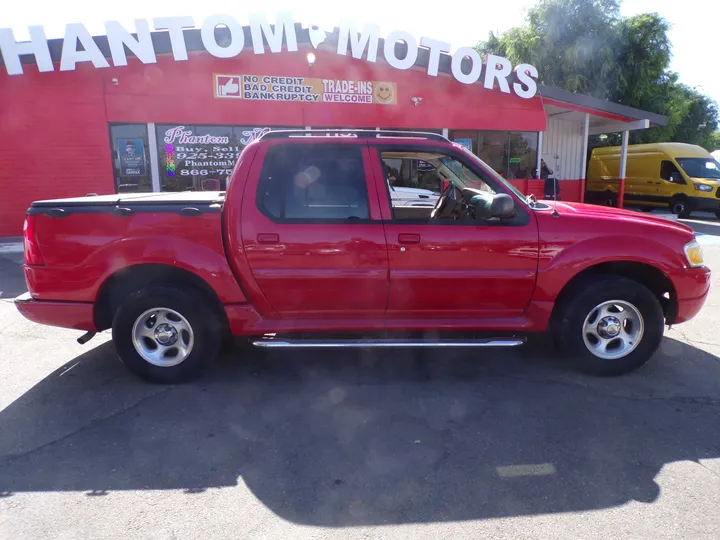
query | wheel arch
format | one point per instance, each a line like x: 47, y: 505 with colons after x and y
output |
x: 646, y: 274
x: 133, y: 278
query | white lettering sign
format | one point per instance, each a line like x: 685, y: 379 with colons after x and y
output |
x: 71, y: 55
x: 179, y: 135
x: 237, y: 37
x: 119, y: 38
x: 493, y: 70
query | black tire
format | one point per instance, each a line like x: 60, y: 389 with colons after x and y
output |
x: 568, y: 324
x: 717, y: 214
x: 609, y: 199
x: 680, y: 206
x: 207, y: 333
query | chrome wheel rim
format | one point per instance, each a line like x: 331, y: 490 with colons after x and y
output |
x: 613, y: 329
x: 678, y: 208
x: 163, y: 337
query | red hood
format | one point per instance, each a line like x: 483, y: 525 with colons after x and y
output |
x: 592, y: 210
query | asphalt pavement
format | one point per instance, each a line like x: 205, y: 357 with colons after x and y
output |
x: 360, y: 445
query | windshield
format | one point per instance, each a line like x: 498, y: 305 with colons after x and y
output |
x: 492, y: 172
x: 700, y: 167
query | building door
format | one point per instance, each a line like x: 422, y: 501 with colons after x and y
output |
x: 130, y: 158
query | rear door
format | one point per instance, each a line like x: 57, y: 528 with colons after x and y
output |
x: 312, y: 232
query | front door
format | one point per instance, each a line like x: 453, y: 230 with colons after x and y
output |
x: 312, y: 231
x: 453, y: 267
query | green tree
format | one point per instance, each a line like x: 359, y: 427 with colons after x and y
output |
x: 570, y: 42
x: 585, y: 46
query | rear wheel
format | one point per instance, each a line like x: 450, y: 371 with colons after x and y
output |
x: 717, y: 214
x: 610, y: 326
x: 166, y: 335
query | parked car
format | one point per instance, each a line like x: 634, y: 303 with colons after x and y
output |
x: 305, y: 249
x: 406, y: 196
x: 682, y: 177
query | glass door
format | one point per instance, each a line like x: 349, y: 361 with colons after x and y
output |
x: 130, y: 158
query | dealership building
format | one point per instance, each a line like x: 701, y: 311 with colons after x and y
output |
x: 174, y: 124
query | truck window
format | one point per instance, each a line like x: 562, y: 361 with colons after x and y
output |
x: 700, y: 167
x: 436, y: 171
x: 313, y: 182
x: 669, y: 172
x: 411, y: 173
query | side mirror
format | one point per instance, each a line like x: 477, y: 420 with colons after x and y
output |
x: 502, y: 206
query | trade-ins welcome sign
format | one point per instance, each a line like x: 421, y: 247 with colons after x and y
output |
x: 78, y: 47
x: 304, y: 89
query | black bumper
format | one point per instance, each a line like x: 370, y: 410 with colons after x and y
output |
x: 704, y: 204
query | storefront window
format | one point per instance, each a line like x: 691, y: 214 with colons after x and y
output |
x: 522, y: 158
x: 130, y: 157
x: 201, y: 157
x: 513, y: 155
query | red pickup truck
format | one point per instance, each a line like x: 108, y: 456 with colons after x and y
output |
x: 305, y: 249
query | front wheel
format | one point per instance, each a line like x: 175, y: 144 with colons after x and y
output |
x: 680, y: 207
x: 717, y: 214
x: 166, y: 335
x: 611, y: 326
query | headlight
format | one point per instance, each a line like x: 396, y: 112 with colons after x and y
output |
x: 702, y: 187
x: 694, y: 254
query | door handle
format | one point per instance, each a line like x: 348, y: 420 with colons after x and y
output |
x: 268, y: 238
x: 405, y: 238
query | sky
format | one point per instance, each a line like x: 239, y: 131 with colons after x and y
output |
x: 461, y: 23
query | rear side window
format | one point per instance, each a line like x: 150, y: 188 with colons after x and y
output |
x: 313, y: 183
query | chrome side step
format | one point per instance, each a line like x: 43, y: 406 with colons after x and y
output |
x: 273, y: 343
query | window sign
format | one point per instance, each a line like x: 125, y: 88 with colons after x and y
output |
x: 304, y: 89
x: 132, y: 157
x: 424, y: 166
x: 200, y: 158
x: 129, y: 158
x: 467, y: 143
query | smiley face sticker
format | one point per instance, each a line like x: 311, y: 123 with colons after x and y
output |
x: 384, y: 93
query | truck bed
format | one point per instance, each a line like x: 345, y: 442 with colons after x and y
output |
x: 85, y: 240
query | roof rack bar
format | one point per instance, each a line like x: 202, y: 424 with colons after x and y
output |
x: 359, y: 133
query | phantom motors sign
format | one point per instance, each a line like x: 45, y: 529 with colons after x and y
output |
x: 78, y: 46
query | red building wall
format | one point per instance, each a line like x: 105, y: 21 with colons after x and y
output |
x: 54, y: 136
x: 54, y: 140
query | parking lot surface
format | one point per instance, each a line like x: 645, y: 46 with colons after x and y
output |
x: 360, y: 445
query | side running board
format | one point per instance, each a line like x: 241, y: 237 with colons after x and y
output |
x: 274, y: 343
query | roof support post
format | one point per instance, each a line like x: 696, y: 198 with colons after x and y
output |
x: 538, y: 161
x: 583, y: 181
x: 623, y: 168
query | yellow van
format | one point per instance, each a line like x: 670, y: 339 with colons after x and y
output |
x: 683, y: 177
